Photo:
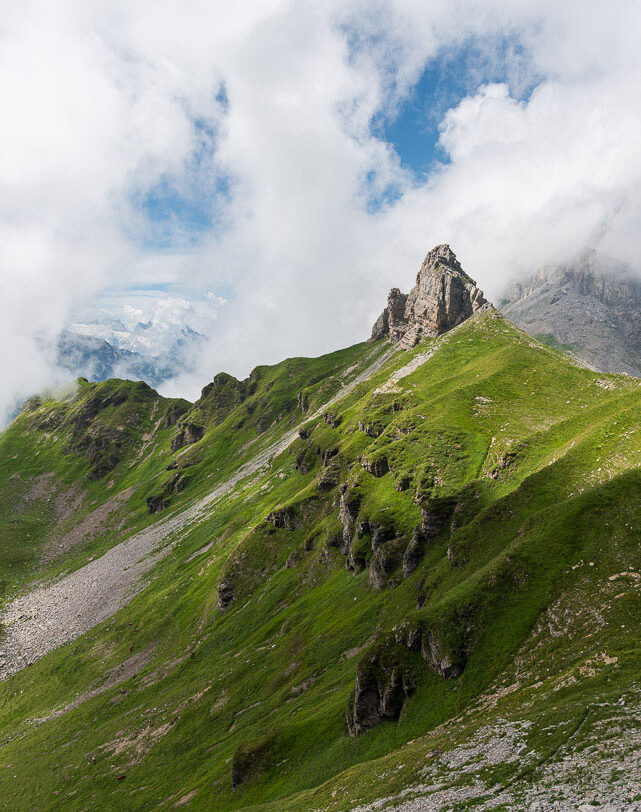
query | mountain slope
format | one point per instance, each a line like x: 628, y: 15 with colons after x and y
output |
x: 590, y: 308
x: 456, y: 539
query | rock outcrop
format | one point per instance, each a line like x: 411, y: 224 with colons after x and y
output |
x: 188, y: 434
x: 443, y: 297
x: 443, y: 658
x: 381, y: 688
x: 220, y: 397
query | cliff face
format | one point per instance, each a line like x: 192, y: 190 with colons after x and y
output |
x: 592, y: 308
x: 443, y: 297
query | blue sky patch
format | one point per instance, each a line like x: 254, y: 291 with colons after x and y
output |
x: 413, y: 129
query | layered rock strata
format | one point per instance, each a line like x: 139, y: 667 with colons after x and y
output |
x: 443, y: 297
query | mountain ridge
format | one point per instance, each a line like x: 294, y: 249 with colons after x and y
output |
x: 419, y: 591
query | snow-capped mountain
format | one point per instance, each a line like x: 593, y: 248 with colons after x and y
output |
x: 152, y: 345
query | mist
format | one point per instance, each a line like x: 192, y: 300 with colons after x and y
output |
x: 263, y: 119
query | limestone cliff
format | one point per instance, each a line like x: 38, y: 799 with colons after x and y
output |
x: 443, y: 296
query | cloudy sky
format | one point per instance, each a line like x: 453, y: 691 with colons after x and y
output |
x: 280, y: 165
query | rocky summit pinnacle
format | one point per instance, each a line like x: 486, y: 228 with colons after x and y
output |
x: 443, y: 296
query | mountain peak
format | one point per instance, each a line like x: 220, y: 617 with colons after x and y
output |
x: 443, y: 297
x: 442, y: 255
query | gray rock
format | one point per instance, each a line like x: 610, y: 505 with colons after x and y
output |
x: 591, y: 308
x: 443, y: 297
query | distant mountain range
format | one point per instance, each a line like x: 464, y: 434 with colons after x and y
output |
x: 153, y: 353
x: 590, y: 308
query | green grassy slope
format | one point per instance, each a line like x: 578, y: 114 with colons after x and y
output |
x: 440, y: 537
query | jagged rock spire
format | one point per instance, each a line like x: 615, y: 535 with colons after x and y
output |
x: 443, y: 296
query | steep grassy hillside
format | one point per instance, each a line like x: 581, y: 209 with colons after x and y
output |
x: 441, y: 559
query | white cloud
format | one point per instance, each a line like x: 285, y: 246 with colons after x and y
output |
x: 102, y: 103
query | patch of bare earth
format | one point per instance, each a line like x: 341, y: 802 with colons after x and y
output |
x: 137, y: 744
x: 90, y: 527
x: 114, y: 676
x: 186, y: 798
x: 43, y: 488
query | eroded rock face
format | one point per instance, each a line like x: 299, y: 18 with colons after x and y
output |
x: 414, y: 552
x: 349, y: 507
x: 379, y: 693
x: 441, y: 658
x: 188, y: 434
x: 443, y: 297
x: 381, y: 327
x: 385, y: 674
x: 377, y: 467
x: 284, y: 518
x: 225, y: 594
x: 392, y: 320
x: 174, y: 412
x: 385, y: 560
x: 329, y: 477
x: 157, y: 503
x: 397, y: 319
